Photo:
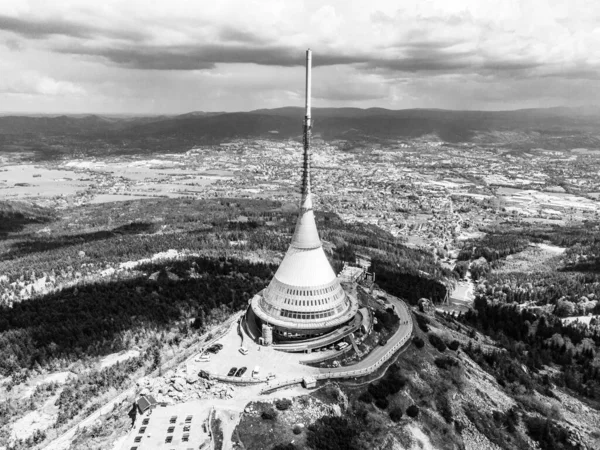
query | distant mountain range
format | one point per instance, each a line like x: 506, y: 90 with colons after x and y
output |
x: 329, y: 123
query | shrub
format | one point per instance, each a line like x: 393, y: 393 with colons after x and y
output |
x: 394, y: 368
x: 423, y: 322
x: 386, y: 318
x: 412, y: 411
x: 269, y: 414
x: 283, y: 403
x: 378, y: 390
x: 289, y: 446
x: 331, y: 433
x: 394, y: 382
x: 445, y: 362
x: 396, y: 414
x: 437, y: 342
x: 419, y: 343
x: 382, y: 403
x: 297, y: 429
x: 444, y: 408
x: 548, y: 433
x: 454, y: 345
x: 365, y: 397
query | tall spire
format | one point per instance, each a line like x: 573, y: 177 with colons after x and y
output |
x: 304, y: 298
x: 306, y: 235
x: 306, y: 200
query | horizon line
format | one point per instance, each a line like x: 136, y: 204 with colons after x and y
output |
x: 175, y: 114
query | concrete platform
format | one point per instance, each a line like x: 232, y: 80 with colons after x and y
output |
x: 284, y: 365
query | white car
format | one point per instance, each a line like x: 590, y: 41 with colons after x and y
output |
x: 243, y: 350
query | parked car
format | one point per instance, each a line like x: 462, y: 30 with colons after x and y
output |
x: 232, y: 371
x: 215, y: 348
x: 256, y: 371
x: 243, y: 350
x: 341, y: 345
x: 241, y: 371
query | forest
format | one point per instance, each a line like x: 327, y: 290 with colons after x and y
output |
x: 521, y: 306
x: 536, y: 342
x: 90, y: 319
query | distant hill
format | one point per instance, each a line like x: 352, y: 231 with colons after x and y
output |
x: 14, y: 215
x: 534, y: 126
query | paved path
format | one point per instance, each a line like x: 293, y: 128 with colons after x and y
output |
x: 404, y: 330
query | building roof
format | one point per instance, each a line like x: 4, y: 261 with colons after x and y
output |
x: 143, y: 403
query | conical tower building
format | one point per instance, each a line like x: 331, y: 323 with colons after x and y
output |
x: 305, y: 298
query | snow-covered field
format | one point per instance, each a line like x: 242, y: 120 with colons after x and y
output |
x: 581, y: 319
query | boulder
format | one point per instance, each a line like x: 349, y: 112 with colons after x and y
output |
x: 191, y: 378
x: 178, y: 384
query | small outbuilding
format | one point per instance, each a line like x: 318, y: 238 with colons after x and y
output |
x: 145, y: 402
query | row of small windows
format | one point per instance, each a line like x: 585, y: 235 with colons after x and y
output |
x: 307, y: 316
x: 310, y: 292
x: 317, y: 302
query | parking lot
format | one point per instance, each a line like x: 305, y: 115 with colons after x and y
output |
x: 269, y: 361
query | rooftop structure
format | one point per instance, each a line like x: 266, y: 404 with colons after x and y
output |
x: 305, y: 298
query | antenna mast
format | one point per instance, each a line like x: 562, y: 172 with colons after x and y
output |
x: 307, y: 135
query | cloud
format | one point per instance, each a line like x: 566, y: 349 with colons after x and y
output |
x: 41, y: 28
x: 230, y: 34
x: 31, y: 83
x: 248, y: 54
x: 203, y: 56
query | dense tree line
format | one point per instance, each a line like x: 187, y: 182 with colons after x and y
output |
x: 89, y: 319
x: 537, y: 342
x: 408, y: 284
x: 493, y: 247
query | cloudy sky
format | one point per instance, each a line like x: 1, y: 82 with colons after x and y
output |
x: 176, y: 56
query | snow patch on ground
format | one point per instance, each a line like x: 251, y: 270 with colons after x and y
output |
x: 58, y: 377
x: 581, y: 319
x: 552, y: 248
x: 40, y: 419
x: 162, y: 256
x: 28, y: 424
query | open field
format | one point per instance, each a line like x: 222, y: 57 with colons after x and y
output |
x: 95, y: 180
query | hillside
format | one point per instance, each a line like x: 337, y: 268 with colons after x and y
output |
x: 15, y: 215
x: 431, y: 397
x: 553, y: 128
